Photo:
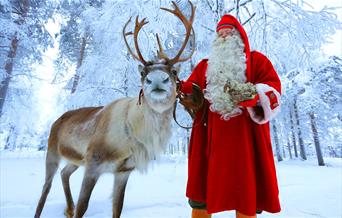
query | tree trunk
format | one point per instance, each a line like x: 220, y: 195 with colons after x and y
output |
x: 316, y: 139
x: 333, y: 153
x: 188, y: 133
x: 125, y: 87
x: 293, y: 134
x: 276, y: 141
x: 218, y: 10
x: 300, y: 138
x: 24, y: 8
x: 9, y: 70
x: 79, y: 64
x: 264, y: 31
x: 171, y: 148
x: 237, y: 10
x: 8, y: 144
x: 289, y: 147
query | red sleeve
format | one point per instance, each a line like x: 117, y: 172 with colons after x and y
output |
x: 250, y: 103
x: 268, y: 87
x: 195, y: 77
x: 264, y: 72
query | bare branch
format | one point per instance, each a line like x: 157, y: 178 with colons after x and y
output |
x: 210, y: 6
x: 207, y: 28
x: 250, y: 18
x: 240, y: 5
x: 28, y: 76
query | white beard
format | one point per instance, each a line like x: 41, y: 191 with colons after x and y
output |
x: 227, y: 62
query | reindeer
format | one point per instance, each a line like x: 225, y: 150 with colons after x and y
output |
x: 121, y: 136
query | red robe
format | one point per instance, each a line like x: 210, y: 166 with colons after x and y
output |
x: 231, y: 165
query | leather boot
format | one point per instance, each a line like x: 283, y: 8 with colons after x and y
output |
x: 240, y: 215
x: 200, y: 213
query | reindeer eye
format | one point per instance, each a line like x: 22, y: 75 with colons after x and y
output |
x: 148, y: 81
x: 166, y: 80
x: 174, y: 72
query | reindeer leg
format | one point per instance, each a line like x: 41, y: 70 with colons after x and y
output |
x: 51, y: 165
x: 122, y: 174
x: 120, y: 182
x: 91, y: 176
x: 65, y: 174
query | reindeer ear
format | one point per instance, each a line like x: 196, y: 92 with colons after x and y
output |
x: 141, y: 70
x: 175, y: 69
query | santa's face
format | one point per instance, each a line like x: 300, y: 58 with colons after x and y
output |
x: 224, y: 33
x: 227, y: 62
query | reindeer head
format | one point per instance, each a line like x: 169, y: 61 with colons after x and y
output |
x: 159, y: 77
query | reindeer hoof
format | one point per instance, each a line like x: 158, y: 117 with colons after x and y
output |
x: 69, y: 212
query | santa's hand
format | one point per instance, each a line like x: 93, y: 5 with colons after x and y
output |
x: 250, y: 103
x: 240, y: 92
x: 185, y: 87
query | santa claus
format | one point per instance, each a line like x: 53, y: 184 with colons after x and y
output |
x: 231, y: 165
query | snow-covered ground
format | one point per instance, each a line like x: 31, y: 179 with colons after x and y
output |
x: 306, y: 190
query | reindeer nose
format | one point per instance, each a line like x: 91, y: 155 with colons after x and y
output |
x: 158, y: 84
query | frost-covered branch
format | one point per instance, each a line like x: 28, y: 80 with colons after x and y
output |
x: 237, y: 6
x: 249, y: 19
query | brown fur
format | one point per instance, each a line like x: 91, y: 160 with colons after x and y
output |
x: 111, y: 138
x: 70, y: 154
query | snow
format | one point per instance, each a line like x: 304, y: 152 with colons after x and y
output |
x: 306, y: 190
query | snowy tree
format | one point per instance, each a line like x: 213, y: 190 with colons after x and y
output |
x: 314, y: 94
x: 74, y: 39
x: 24, y: 39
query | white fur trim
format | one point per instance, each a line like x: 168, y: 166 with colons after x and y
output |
x: 265, y: 104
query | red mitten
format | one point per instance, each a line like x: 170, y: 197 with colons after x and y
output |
x: 250, y: 103
x: 186, y: 87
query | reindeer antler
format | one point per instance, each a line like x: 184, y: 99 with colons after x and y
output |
x: 137, y: 28
x: 188, y: 27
